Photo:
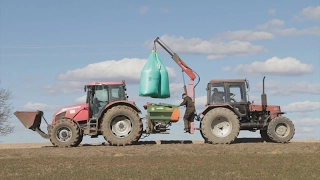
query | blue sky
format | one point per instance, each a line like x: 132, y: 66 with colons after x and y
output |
x: 50, y: 49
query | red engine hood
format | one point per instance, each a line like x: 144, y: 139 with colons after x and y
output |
x: 72, y: 109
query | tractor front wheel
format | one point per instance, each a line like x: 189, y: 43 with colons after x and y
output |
x: 220, y: 126
x: 65, y: 133
x: 264, y: 135
x: 121, y: 125
x: 281, y: 129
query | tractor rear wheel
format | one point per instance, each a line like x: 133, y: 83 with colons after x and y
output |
x: 264, y: 135
x: 220, y: 126
x: 65, y: 133
x: 121, y: 125
x: 281, y: 129
x: 205, y: 139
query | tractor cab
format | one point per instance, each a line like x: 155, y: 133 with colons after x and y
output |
x: 229, y: 91
x: 100, y: 94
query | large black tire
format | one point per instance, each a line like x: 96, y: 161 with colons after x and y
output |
x: 121, y: 125
x: 220, y: 126
x: 264, y: 135
x: 205, y: 139
x: 65, y: 133
x: 281, y: 129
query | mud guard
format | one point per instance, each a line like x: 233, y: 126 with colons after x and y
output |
x: 32, y: 120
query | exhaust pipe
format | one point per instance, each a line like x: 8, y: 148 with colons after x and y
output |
x: 263, y: 97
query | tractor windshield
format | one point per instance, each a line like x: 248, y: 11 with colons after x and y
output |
x: 236, y: 93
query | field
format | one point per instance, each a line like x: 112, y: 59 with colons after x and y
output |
x: 245, y: 159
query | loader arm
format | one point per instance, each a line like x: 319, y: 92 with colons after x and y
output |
x: 183, y: 66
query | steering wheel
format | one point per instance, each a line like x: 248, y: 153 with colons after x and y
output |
x: 232, y: 97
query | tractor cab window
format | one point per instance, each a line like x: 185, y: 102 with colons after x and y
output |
x: 236, y: 93
x: 218, y: 94
x: 116, y: 93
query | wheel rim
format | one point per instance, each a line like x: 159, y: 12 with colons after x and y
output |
x: 121, y: 127
x: 64, y: 134
x: 221, y: 127
x: 282, y: 130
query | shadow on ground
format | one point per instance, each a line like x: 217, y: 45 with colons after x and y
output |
x: 159, y: 142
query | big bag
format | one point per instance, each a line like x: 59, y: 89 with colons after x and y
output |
x: 150, y: 77
x: 164, y: 90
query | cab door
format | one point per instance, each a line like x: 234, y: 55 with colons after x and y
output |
x: 236, y: 96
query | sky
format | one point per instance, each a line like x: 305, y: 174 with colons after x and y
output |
x: 50, y: 49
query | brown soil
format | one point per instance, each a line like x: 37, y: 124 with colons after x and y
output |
x: 188, y: 147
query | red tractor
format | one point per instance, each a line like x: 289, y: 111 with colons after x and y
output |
x: 106, y: 112
x: 228, y: 109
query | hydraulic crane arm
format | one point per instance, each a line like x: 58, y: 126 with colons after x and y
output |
x: 184, y: 68
x: 176, y: 58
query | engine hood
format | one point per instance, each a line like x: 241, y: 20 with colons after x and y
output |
x: 72, y: 109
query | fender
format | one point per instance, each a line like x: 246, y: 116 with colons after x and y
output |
x: 212, y: 106
x: 131, y: 104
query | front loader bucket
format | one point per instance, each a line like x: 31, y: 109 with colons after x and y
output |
x: 31, y: 120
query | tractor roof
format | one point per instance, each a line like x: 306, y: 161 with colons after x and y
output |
x: 105, y: 83
x: 226, y: 80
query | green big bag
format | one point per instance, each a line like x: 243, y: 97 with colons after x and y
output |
x: 150, y: 77
x: 164, y: 90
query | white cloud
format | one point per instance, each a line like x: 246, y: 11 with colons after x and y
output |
x: 271, y: 24
x: 213, y: 49
x: 275, y: 66
x: 272, y: 11
x: 305, y: 132
x: 276, y: 27
x: 310, y: 13
x: 128, y: 69
x: 247, y: 35
x: 144, y: 10
x: 200, y: 102
x: 81, y: 99
x: 281, y: 88
x: 305, y: 106
x: 30, y: 106
x: 65, y: 87
x: 176, y: 89
x: 307, y: 122
x: 296, y: 32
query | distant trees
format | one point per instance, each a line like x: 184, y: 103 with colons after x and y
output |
x: 5, y: 112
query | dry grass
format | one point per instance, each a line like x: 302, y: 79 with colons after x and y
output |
x: 170, y: 161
